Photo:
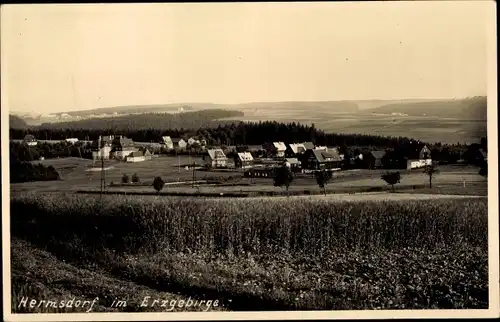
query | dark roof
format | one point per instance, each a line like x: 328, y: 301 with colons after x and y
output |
x: 29, y: 137
x: 123, y: 142
x: 323, y: 156
x: 308, y: 145
x: 255, y: 147
x: 292, y: 160
x: 378, y: 154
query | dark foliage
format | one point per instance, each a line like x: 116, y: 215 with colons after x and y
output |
x: 392, y: 178
x: 147, y: 121
x: 283, y: 177
x: 484, y: 170
x: 26, y: 171
x: 323, y: 178
x: 158, y: 184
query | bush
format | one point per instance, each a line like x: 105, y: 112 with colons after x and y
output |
x: 125, y: 178
x: 26, y: 172
x: 391, y: 178
x: 158, y: 184
x: 135, y: 178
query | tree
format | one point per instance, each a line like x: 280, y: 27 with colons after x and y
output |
x: 158, y: 184
x: 484, y: 170
x: 322, y: 178
x: 283, y: 177
x: 125, y: 178
x: 135, y: 178
x: 392, y: 178
x: 431, y: 171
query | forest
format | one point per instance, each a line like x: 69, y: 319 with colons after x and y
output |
x: 146, y: 121
x: 235, y: 134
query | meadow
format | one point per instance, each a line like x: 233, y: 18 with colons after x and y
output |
x: 74, y: 177
x: 424, y: 128
x: 265, y: 254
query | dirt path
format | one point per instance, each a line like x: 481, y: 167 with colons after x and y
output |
x: 365, y: 196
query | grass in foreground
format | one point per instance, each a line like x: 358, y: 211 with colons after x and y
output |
x: 276, y: 254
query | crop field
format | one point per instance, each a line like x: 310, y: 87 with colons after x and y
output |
x: 274, y: 254
x: 425, y: 128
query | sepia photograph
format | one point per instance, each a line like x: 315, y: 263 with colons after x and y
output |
x: 219, y: 161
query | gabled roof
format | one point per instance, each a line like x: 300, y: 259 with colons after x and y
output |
x: 166, y: 139
x: 216, y: 154
x: 297, y: 147
x: 176, y: 140
x: 123, y: 141
x: 255, y: 147
x: 280, y: 146
x: 378, y: 154
x: 308, y: 145
x: 324, y: 156
x: 245, y: 156
x: 144, y: 150
x: 29, y: 137
x: 292, y: 160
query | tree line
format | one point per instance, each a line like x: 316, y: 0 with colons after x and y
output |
x: 244, y: 134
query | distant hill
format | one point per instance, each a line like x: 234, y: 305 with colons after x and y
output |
x: 130, y: 109
x: 370, y: 104
x: 187, y: 120
x: 333, y: 106
x: 15, y: 122
x: 473, y: 108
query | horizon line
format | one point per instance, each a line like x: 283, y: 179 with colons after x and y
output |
x: 257, y: 102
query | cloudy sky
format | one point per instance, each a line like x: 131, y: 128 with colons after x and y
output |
x: 74, y: 57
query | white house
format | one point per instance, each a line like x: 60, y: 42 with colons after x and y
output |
x: 424, y: 159
x: 136, y: 156
x: 102, y: 153
x: 244, y: 160
x: 179, y: 143
x: 72, y: 140
x: 30, y: 140
x: 415, y: 164
x: 280, y: 149
x: 123, y: 154
x: 169, y: 144
x: 297, y: 148
x: 147, y: 154
x: 215, y: 158
x: 192, y: 141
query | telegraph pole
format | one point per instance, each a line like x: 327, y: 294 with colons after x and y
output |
x: 194, y: 174
x: 103, y: 176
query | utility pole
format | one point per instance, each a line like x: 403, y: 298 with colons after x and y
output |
x: 103, y: 176
x: 194, y: 173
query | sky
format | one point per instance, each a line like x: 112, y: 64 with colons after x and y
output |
x: 64, y: 57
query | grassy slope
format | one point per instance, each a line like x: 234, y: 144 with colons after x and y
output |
x: 38, y: 274
x: 276, y: 254
x: 16, y: 122
x: 471, y: 109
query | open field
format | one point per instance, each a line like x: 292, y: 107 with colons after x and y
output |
x: 425, y: 128
x: 278, y: 253
x: 450, y: 180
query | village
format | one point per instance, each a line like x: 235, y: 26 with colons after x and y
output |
x: 255, y: 160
